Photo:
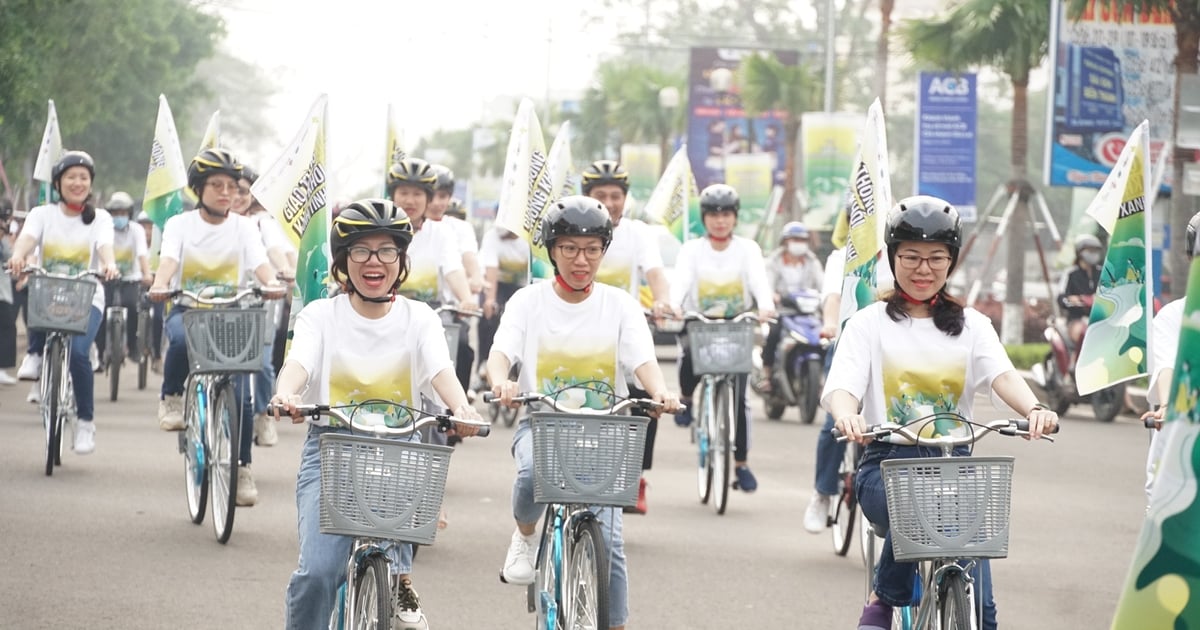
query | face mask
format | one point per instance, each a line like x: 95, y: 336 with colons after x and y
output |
x: 1091, y: 258
x: 120, y: 223
x: 797, y: 249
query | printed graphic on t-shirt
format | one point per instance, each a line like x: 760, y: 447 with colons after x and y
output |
x: 385, y: 377
x: 564, y: 362
x: 422, y: 283
x: 513, y: 270
x: 616, y: 274
x: 721, y: 294
x: 199, y: 273
x: 123, y: 256
x: 934, y: 385
x: 65, y: 258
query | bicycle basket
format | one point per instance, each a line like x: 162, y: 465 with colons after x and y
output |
x: 225, y: 339
x: 60, y: 304
x: 948, y: 507
x: 587, y: 460
x: 721, y: 347
x: 377, y: 488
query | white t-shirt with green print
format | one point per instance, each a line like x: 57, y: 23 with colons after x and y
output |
x: 128, y: 246
x: 509, y: 256
x: 209, y: 255
x: 432, y: 255
x: 721, y: 283
x: 632, y: 253
x: 67, y: 246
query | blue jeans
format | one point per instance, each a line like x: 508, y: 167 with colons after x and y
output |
x: 264, y: 382
x: 312, y: 591
x: 175, y: 373
x: 526, y: 511
x: 830, y: 452
x: 894, y: 580
x: 82, y: 376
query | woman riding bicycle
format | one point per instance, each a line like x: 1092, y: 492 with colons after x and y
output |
x: 337, y: 358
x: 72, y: 236
x: 938, y: 355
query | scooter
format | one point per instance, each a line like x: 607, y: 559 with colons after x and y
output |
x: 799, y: 370
x: 1056, y: 376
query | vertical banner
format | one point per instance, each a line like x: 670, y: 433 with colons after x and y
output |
x: 166, y: 177
x: 563, y: 179
x: 49, y: 152
x: 1160, y: 589
x: 644, y: 164
x: 526, y: 189
x: 395, y: 144
x: 1115, y: 346
x: 212, y: 133
x: 1112, y: 69
x: 750, y: 175
x: 946, y: 132
x: 829, y: 143
x: 869, y: 196
x: 668, y: 204
x: 294, y: 190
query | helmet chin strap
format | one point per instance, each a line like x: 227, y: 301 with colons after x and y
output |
x: 563, y: 283
x: 912, y: 300
x: 210, y: 212
x: 720, y: 239
x: 383, y: 299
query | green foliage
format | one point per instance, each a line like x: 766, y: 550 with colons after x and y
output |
x: 1026, y: 355
x: 768, y: 83
x: 1012, y: 36
x: 622, y: 106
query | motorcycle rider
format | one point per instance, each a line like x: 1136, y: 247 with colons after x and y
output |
x: 791, y: 268
x: 1079, y: 287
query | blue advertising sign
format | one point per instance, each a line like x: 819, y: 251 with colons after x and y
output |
x: 1095, y: 95
x: 946, y: 134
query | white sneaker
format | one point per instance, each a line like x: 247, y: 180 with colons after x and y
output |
x: 35, y: 394
x: 31, y: 368
x: 6, y: 378
x: 518, y: 564
x: 94, y: 355
x: 247, y: 493
x: 406, y: 609
x: 264, y: 430
x: 816, y: 517
x: 85, y: 438
x: 170, y: 413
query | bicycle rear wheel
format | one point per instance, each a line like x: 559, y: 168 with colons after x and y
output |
x: 224, y: 433
x: 143, y: 348
x: 586, y: 588
x: 52, y: 414
x: 954, y: 602
x: 845, y: 506
x: 116, y: 352
x: 191, y: 444
x: 722, y: 421
x: 702, y: 438
x: 372, y: 595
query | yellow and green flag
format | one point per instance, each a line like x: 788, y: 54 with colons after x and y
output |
x: 1116, y: 345
x: 49, y: 153
x: 166, y: 177
x: 212, y: 133
x: 295, y: 190
x: 672, y: 196
x: 395, y: 144
x: 868, y: 196
x: 526, y: 190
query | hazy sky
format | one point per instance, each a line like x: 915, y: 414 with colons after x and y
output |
x: 368, y: 53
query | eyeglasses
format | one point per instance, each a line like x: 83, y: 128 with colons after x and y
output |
x: 243, y: 191
x: 592, y: 253
x: 222, y: 186
x: 385, y: 255
x: 912, y: 261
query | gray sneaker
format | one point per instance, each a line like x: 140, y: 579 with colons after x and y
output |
x: 406, y: 611
x: 170, y: 413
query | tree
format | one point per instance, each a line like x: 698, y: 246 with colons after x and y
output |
x: 1012, y: 37
x: 769, y: 84
x: 1186, y: 17
x: 881, y: 50
x: 622, y: 106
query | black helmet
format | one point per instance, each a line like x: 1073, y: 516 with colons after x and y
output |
x: 412, y: 172
x: 445, y: 178
x: 249, y: 174
x: 576, y: 215
x: 367, y: 217
x: 69, y: 159
x: 456, y: 209
x: 1192, y: 245
x: 212, y: 162
x: 925, y: 219
x: 605, y: 172
x: 718, y: 197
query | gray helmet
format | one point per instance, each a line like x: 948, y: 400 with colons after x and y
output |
x: 412, y: 172
x: 719, y: 197
x: 1086, y: 241
x: 445, y: 178
x: 119, y: 202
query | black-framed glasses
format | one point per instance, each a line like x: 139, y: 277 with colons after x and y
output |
x: 386, y: 255
x: 591, y: 252
x: 912, y: 261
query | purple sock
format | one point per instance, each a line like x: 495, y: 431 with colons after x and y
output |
x: 876, y: 616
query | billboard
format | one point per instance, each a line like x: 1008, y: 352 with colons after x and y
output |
x: 944, y: 160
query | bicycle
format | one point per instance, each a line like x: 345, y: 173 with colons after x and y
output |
x: 60, y: 305
x: 377, y: 491
x: 145, y: 339
x: 582, y: 458
x: 115, y: 333
x: 222, y: 343
x: 722, y: 352
x: 946, y: 514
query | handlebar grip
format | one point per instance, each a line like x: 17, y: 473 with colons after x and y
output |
x: 1023, y: 425
x: 489, y: 397
x: 484, y: 431
x: 1150, y: 423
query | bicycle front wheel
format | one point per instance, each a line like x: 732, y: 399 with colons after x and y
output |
x: 143, y: 349
x: 372, y: 595
x: 587, y: 580
x: 722, y: 422
x: 954, y: 602
x: 224, y: 433
x: 195, y: 468
x: 703, y: 440
x: 845, y: 507
x: 116, y: 353
x: 52, y: 413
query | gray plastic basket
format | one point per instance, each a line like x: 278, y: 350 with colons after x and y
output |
x: 948, y: 507
x: 377, y: 488
x: 587, y: 460
x: 721, y: 347
x: 60, y: 304
x: 225, y: 339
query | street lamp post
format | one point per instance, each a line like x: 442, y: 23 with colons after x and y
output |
x: 668, y: 101
x: 721, y: 81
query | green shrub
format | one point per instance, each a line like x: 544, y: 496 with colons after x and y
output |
x: 1026, y: 355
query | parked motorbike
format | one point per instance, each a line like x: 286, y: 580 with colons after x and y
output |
x: 799, y: 370
x: 1056, y: 376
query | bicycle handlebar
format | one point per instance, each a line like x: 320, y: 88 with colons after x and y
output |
x: 457, y: 310
x: 1007, y: 426
x: 530, y: 397
x: 40, y: 271
x: 444, y: 422
x: 209, y: 300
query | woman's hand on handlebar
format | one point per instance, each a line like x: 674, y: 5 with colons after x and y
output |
x: 669, y: 401
x: 288, y: 405
x: 505, y: 392
x: 159, y: 293
x: 1041, y: 422
x: 110, y: 272
x: 466, y: 412
x: 1153, y: 419
x: 274, y: 291
x: 854, y: 427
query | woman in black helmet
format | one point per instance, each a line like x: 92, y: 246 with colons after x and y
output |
x: 1079, y: 286
x: 916, y: 352
x: 336, y: 358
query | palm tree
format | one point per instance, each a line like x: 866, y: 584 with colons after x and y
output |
x: 768, y: 84
x: 1012, y: 37
x: 1186, y: 17
x: 623, y: 106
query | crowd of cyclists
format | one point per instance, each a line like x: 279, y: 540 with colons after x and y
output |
x: 395, y: 260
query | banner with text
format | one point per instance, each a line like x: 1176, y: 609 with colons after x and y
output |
x: 869, y: 199
x: 166, y: 177
x: 944, y: 163
x: 526, y: 189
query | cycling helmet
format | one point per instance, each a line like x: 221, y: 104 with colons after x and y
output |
x: 212, y: 162
x: 366, y: 217
x: 119, y: 202
x: 793, y: 229
x: 1192, y: 245
x: 456, y: 209
x: 925, y: 219
x: 142, y: 217
x: 445, y: 178
x: 249, y: 174
x: 412, y: 172
x: 69, y: 159
x: 605, y: 172
x: 576, y: 215
x: 719, y: 197
x: 1086, y: 241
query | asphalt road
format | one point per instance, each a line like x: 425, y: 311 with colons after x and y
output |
x: 106, y: 542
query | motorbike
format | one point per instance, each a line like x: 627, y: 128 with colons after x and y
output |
x: 799, y: 370
x: 1056, y: 376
